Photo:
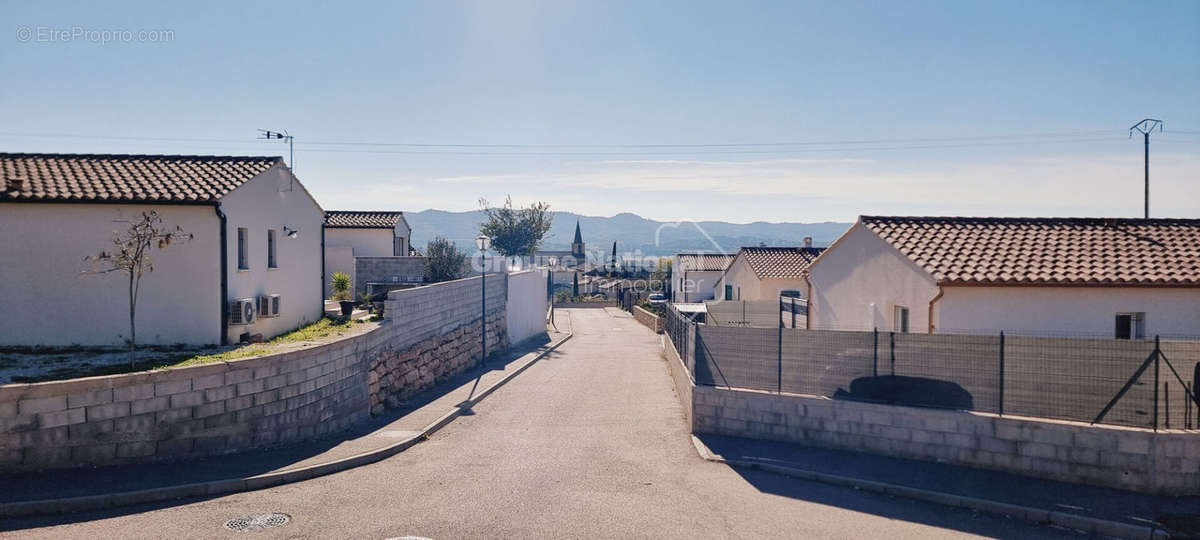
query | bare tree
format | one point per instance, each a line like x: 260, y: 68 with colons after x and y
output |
x: 131, y: 255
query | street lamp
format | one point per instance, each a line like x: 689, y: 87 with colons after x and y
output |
x: 483, y: 243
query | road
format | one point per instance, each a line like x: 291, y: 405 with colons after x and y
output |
x: 589, y: 442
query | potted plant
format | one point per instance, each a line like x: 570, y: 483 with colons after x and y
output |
x: 366, y: 302
x: 341, y: 292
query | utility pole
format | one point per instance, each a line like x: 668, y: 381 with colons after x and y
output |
x: 1146, y: 127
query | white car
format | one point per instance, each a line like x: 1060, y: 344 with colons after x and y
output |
x: 657, y: 299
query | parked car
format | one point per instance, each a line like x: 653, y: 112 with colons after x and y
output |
x: 657, y: 299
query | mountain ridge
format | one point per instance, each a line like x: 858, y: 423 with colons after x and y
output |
x: 633, y: 233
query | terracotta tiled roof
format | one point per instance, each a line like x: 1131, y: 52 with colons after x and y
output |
x: 780, y: 262
x: 702, y: 262
x: 125, y: 178
x: 353, y: 219
x: 1047, y: 251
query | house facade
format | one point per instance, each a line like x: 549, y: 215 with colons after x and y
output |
x: 1103, y: 277
x: 256, y: 237
x: 760, y: 274
x: 372, y: 247
x: 694, y: 276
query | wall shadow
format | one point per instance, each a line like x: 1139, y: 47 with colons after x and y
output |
x: 912, y: 391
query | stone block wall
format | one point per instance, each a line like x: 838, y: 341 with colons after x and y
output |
x: 1166, y: 462
x: 186, y: 412
x: 430, y: 333
x: 389, y: 269
x: 648, y: 319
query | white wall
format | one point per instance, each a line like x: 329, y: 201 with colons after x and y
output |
x: 526, y: 305
x: 741, y: 277
x: 858, y: 281
x: 365, y: 242
x: 699, y: 286
x: 338, y: 259
x: 47, y: 301
x: 403, y: 232
x: 1076, y: 310
x: 265, y: 202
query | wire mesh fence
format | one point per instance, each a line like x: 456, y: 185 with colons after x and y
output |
x: 1140, y: 383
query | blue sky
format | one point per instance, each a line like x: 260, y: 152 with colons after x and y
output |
x: 978, y: 108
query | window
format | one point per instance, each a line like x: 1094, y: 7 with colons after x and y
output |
x: 398, y: 249
x: 1131, y: 325
x: 789, y: 293
x: 243, y: 256
x: 729, y: 292
x: 900, y: 322
x: 271, y: 261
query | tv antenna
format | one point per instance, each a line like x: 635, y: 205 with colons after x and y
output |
x: 1146, y: 127
x: 267, y: 134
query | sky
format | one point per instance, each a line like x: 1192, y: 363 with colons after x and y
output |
x: 732, y: 111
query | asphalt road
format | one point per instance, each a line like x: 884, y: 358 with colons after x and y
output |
x: 589, y: 442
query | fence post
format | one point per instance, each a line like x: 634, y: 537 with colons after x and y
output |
x: 892, y: 350
x: 875, y: 354
x: 1157, y: 355
x: 1002, y: 373
x: 1167, y: 403
x: 792, y: 307
x: 779, y: 372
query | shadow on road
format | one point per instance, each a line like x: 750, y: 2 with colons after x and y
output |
x: 56, y: 484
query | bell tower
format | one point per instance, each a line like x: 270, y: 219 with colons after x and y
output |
x: 577, y: 250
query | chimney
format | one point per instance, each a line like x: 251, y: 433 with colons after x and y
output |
x: 807, y: 241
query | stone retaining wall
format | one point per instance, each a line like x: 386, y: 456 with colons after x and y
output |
x: 430, y: 334
x: 648, y: 319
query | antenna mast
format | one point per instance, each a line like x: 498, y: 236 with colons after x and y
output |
x: 1146, y: 127
x: 266, y: 134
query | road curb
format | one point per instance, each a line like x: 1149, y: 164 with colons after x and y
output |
x: 251, y: 483
x: 1037, y: 515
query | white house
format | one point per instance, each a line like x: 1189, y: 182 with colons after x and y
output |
x: 257, y: 237
x: 378, y: 242
x: 1125, y: 278
x: 694, y: 276
x: 758, y: 274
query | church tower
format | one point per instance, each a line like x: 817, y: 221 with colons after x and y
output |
x: 577, y: 245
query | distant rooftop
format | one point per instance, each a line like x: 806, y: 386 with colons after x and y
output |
x: 703, y: 262
x: 780, y: 262
x: 354, y: 219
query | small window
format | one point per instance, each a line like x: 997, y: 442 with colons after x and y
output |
x: 789, y: 293
x: 1131, y: 325
x: 398, y: 248
x: 900, y: 323
x: 729, y: 292
x: 243, y: 255
x: 271, y: 261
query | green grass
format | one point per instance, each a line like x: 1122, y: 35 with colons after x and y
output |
x: 325, y: 329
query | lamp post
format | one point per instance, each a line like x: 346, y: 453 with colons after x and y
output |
x: 483, y: 243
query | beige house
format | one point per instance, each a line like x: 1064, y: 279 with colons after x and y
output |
x: 253, y: 266
x: 762, y: 274
x: 1110, y: 277
x: 373, y: 248
x: 694, y: 276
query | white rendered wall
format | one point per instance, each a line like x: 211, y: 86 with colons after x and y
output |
x: 338, y: 259
x: 526, y: 305
x: 700, y: 285
x: 365, y: 242
x: 1069, y: 310
x: 266, y: 202
x: 49, y: 301
x: 859, y: 280
x: 402, y: 231
x: 739, y: 274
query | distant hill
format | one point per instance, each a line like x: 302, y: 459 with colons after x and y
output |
x: 631, y: 232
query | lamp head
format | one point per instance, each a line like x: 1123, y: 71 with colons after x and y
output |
x: 483, y: 242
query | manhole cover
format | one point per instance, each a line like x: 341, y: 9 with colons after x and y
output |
x: 257, y: 522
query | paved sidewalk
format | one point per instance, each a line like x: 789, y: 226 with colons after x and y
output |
x: 379, y: 432
x: 1178, y: 513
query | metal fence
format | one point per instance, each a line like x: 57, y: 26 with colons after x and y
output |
x: 1142, y: 383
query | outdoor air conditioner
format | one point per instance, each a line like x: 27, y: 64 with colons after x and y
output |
x: 268, y: 305
x: 243, y: 311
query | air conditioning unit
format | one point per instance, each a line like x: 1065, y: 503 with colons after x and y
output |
x: 243, y: 311
x: 268, y: 305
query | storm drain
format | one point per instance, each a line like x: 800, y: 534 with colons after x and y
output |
x: 257, y: 522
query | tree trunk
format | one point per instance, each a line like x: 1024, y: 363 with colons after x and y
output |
x: 132, y: 325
